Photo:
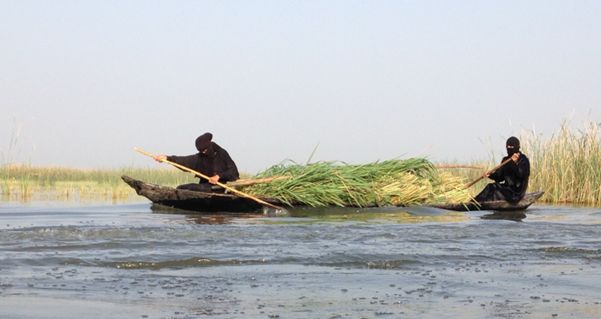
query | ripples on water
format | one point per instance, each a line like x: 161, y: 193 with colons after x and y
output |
x: 131, y: 262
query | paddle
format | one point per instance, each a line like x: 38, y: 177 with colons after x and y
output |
x: 233, y: 190
x: 489, y: 172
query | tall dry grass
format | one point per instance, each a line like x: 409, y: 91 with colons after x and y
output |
x: 567, y: 166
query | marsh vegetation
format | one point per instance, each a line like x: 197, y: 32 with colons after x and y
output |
x: 566, y: 165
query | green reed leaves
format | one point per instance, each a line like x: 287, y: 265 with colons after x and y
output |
x: 393, y: 182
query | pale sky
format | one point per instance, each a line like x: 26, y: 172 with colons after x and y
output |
x: 82, y: 82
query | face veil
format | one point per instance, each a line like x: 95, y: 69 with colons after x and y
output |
x: 512, y: 145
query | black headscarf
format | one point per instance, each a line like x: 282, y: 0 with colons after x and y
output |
x: 512, y: 141
x: 204, y: 141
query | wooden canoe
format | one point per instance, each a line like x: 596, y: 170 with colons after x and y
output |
x: 193, y: 200
x: 499, y: 205
x: 222, y: 202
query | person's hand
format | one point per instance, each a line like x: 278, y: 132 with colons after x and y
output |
x: 160, y: 158
x: 515, y: 157
x: 214, y: 179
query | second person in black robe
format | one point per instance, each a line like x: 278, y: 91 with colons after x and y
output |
x: 511, y: 180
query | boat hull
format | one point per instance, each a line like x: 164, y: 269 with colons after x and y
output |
x: 192, y: 200
x: 224, y: 203
x: 499, y: 205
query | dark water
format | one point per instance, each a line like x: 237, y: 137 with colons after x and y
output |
x: 128, y: 261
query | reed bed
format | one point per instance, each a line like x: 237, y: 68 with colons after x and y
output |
x: 394, y: 182
x: 567, y: 166
x: 25, y: 183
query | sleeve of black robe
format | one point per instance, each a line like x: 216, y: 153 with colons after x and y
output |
x: 228, y: 171
x: 187, y: 161
x: 499, y: 175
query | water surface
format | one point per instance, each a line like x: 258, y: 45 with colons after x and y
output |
x: 130, y: 261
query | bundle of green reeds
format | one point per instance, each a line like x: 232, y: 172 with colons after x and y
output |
x: 393, y: 182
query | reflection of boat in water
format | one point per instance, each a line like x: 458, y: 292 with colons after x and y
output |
x: 499, y: 205
x: 223, y: 202
x: 516, y: 215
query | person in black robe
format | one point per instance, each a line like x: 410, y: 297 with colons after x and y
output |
x: 511, y: 180
x: 211, y: 160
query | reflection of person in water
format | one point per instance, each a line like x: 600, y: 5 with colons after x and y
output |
x: 511, y: 180
x: 211, y: 160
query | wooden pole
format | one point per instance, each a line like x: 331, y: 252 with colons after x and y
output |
x: 489, y: 172
x: 233, y: 190
x: 254, y: 181
x: 445, y: 166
